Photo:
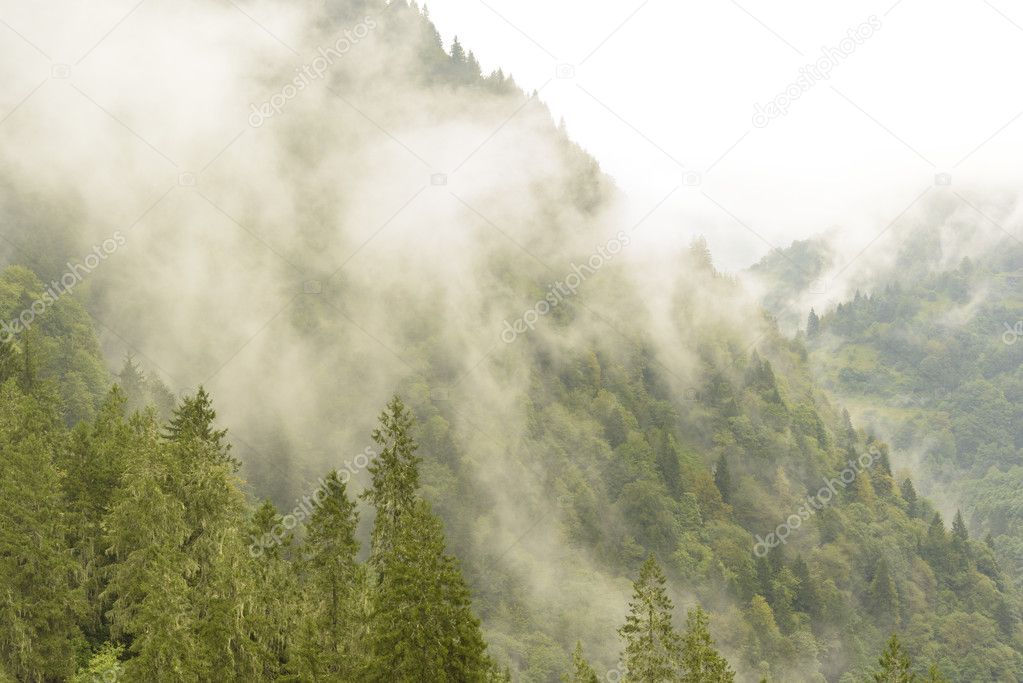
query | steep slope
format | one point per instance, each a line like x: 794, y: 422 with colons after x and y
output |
x: 931, y: 359
x: 403, y: 224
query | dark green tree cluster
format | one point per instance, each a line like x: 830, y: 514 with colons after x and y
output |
x: 144, y: 559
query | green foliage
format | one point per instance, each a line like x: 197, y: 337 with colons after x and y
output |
x: 193, y: 421
x: 653, y: 649
x: 142, y: 391
x: 145, y: 541
x: 700, y: 662
x: 58, y: 349
x: 330, y: 641
x: 148, y: 590
x: 39, y: 603
x: 894, y: 665
x: 275, y: 621
x: 882, y: 596
x: 104, y: 667
x: 813, y: 325
x: 723, y: 479
x: 422, y: 626
x: 395, y: 475
x: 582, y: 672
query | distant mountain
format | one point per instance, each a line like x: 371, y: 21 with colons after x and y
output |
x: 403, y: 224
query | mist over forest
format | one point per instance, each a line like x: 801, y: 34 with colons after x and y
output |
x: 326, y: 355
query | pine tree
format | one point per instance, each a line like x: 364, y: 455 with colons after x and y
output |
x: 850, y: 431
x: 39, y: 634
x: 31, y: 352
x: 764, y: 640
x: 723, y: 478
x: 472, y: 67
x: 882, y: 596
x: 395, y: 475
x: 760, y: 377
x: 883, y: 460
x: 764, y: 579
x: 909, y: 495
x: 330, y: 644
x: 813, y: 325
x: 144, y: 392
x: 194, y: 420
x: 959, y: 531
x: 9, y: 360
x: 862, y: 490
x: 700, y: 253
x: 935, y: 546
x: 1005, y: 617
x: 582, y: 672
x: 275, y: 608
x: 181, y: 585
x: 652, y: 646
x: 668, y: 465
x: 221, y: 584
x: 94, y: 466
x: 133, y: 383
x: 895, y: 665
x: 148, y: 590
x: 783, y: 589
x: 457, y: 52
x: 807, y: 598
x: 959, y: 557
x: 701, y: 663
x: 422, y: 626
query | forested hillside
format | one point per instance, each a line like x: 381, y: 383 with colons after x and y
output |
x: 634, y: 471
x: 354, y: 413
x: 928, y: 355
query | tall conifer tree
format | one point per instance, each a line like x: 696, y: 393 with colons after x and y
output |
x: 701, y: 663
x: 653, y: 648
x: 331, y: 641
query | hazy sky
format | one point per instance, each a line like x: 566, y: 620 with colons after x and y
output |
x: 659, y: 89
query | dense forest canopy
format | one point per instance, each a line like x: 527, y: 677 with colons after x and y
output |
x: 354, y: 403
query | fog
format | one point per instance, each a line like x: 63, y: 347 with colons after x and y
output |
x: 307, y: 252
x: 661, y: 89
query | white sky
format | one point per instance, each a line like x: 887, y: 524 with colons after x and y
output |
x: 935, y: 89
